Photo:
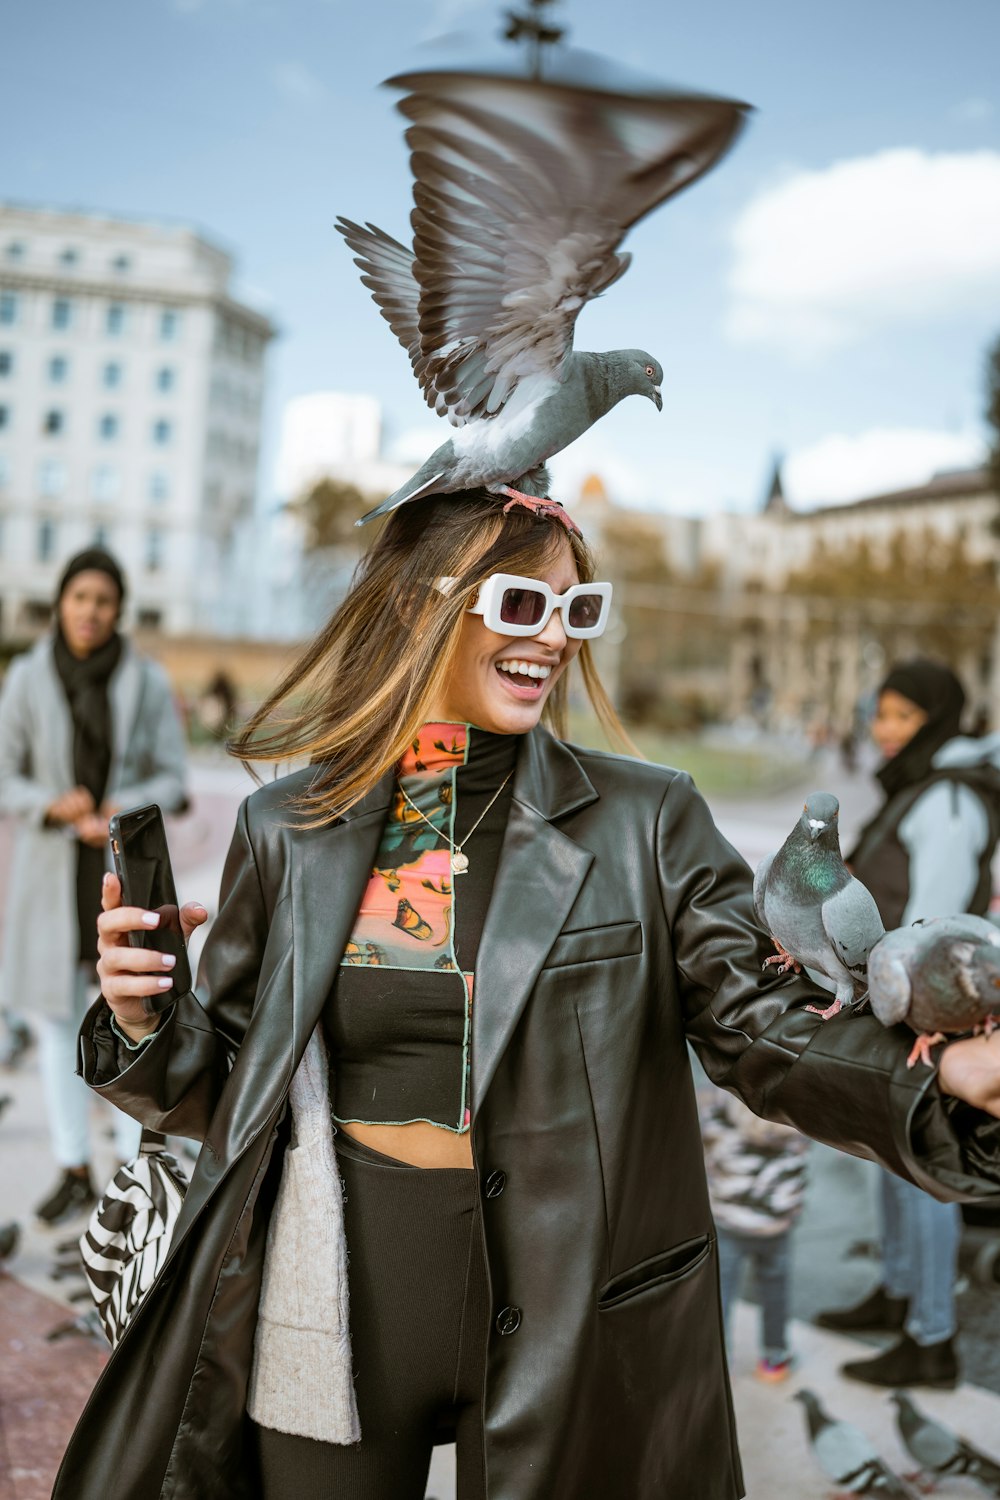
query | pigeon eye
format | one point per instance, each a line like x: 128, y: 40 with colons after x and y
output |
x: 650, y: 371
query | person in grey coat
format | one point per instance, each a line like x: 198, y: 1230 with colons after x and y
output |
x: 88, y: 727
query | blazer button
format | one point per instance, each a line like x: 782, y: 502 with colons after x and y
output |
x: 495, y: 1184
x: 509, y: 1321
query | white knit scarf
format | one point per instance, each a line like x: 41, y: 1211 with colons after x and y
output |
x: 302, y: 1378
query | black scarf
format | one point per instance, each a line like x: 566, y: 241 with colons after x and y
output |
x: 85, y: 682
x: 934, y: 688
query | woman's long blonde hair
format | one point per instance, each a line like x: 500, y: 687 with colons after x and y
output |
x: 357, y: 696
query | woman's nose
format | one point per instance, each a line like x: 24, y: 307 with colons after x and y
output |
x: 553, y: 636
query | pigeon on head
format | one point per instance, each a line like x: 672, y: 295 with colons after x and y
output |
x: 523, y: 191
x: 819, y: 915
x: 941, y: 976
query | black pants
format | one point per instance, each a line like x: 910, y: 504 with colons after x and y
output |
x: 419, y: 1316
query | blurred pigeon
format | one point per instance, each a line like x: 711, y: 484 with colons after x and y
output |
x: 941, y: 1452
x: 941, y: 975
x: 523, y: 191
x: 847, y: 1457
x: 818, y: 914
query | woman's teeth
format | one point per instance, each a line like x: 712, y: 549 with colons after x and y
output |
x: 524, y: 668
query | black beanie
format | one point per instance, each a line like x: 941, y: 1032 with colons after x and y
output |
x: 93, y: 560
x: 931, y: 686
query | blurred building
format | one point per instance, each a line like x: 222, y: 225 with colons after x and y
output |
x: 131, y: 384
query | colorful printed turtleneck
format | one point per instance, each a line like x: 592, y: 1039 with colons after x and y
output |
x: 399, y: 1020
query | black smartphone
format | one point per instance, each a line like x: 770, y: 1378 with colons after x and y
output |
x: 142, y: 864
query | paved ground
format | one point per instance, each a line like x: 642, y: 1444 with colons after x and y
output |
x: 43, y: 1385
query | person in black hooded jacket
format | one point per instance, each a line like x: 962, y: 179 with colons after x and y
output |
x: 927, y: 852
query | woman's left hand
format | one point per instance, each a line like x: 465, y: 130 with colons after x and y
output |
x: 970, y: 1070
x: 92, y: 829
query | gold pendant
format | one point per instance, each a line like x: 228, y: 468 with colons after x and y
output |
x: 459, y: 862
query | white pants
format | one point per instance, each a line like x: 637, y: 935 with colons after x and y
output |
x: 68, y: 1100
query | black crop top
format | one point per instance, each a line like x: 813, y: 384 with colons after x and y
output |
x: 398, y: 1022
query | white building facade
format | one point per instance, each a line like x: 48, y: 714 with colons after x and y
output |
x: 131, y: 384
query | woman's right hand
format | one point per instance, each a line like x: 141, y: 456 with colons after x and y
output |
x: 127, y: 973
x: 70, y: 806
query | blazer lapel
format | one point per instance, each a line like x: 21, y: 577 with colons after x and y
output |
x: 330, y: 869
x: 538, y: 878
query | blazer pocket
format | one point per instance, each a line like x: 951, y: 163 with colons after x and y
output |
x: 592, y: 944
x: 672, y: 1265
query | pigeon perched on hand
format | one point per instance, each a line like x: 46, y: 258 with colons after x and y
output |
x: 941, y: 1452
x: 818, y: 914
x: 941, y: 975
x: 847, y: 1456
x: 523, y: 191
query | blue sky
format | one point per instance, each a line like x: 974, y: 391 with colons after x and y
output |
x: 829, y: 291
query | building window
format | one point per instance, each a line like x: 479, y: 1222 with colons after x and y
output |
x: 69, y: 256
x: 159, y: 486
x: 14, y: 251
x: 107, y: 427
x: 58, y: 369
x: 111, y: 375
x: 54, y: 422
x: 101, y: 536
x: 154, y: 550
x: 165, y: 378
x: 45, y: 541
x: 62, y: 312
x: 8, y: 307
x: 121, y: 264
x: 149, y: 619
x: 114, y: 322
x: 162, y: 433
x: 105, y: 483
x: 4, y: 417
x: 51, y: 477
x: 6, y: 362
x: 170, y: 323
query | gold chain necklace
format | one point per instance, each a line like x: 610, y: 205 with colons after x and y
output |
x: 459, y: 860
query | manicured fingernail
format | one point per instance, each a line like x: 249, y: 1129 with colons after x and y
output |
x: 106, y: 878
x: 151, y: 918
x: 197, y: 906
x: 164, y: 984
x: 168, y: 960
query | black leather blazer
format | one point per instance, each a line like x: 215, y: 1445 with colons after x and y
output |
x: 621, y: 928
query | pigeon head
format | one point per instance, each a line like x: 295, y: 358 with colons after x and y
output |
x: 820, y: 814
x: 816, y: 1417
x: 633, y: 372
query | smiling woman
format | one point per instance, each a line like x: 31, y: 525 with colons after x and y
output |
x: 452, y: 1184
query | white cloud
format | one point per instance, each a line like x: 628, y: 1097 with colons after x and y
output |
x: 849, y: 467
x: 297, y: 84
x: 825, y: 257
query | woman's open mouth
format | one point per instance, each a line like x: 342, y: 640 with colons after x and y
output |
x: 525, y: 679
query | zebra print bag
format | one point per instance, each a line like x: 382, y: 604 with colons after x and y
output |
x: 129, y: 1233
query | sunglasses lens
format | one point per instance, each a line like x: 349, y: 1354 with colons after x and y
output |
x: 585, y: 611
x: 522, y: 606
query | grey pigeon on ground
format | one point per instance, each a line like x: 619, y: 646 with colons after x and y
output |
x: 941, y: 1452
x: 523, y: 191
x: 847, y: 1456
x: 819, y: 915
x: 940, y: 975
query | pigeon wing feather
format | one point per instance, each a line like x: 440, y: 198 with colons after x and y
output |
x: 760, y: 889
x: 523, y: 191
x: 852, y: 923
x: 889, y: 985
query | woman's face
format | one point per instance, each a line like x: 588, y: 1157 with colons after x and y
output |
x: 896, y: 721
x: 484, y: 689
x: 88, y: 611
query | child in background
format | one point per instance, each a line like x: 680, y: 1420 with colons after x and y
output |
x: 756, y: 1182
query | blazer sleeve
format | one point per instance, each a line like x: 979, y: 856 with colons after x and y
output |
x: 844, y: 1081
x: 21, y: 795
x: 175, y: 1080
x: 164, y: 777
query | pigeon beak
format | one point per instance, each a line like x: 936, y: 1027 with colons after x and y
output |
x: 658, y: 398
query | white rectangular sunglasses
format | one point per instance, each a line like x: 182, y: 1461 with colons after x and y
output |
x: 511, y: 605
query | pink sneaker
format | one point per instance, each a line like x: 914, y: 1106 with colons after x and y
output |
x: 772, y: 1371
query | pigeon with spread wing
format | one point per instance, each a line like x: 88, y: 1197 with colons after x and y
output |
x: 523, y: 192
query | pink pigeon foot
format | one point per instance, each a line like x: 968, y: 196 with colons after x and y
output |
x: 921, y: 1050
x: 831, y: 1010
x: 540, y: 506
x: 986, y: 1026
x: 783, y: 959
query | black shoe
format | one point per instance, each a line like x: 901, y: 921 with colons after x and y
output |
x: 71, y: 1196
x: 9, y: 1236
x: 19, y: 1040
x: 878, y: 1311
x: 909, y: 1363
